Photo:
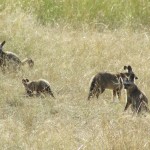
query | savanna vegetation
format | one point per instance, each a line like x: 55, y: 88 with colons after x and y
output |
x: 70, y: 41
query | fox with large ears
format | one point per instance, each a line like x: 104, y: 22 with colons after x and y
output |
x: 11, y: 60
x: 135, y: 97
x: 39, y: 86
x: 105, y: 80
x: 130, y: 71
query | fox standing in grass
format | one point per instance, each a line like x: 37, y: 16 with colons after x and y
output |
x: 104, y: 80
x: 11, y: 60
x: 39, y: 86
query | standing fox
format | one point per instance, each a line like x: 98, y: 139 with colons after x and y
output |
x: 104, y: 80
x: 11, y: 60
x: 39, y: 86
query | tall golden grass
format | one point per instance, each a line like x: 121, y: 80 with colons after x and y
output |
x: 68, y: 58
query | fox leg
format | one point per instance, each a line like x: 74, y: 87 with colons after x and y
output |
x: 50, y: 91
x: 127, y: 104
x: 99, y: 91
x: 114, y: 95
x: 119, y: 94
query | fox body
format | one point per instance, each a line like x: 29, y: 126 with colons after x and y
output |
x: 104, y: 80
x: 11, y: 60
x: 39, y: 86
x: 135, y: 98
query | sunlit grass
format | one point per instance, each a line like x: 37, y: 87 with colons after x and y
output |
x: 68, y: 58
x: 97, y: 13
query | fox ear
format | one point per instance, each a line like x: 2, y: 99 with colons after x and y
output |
x: 2, y: 44
x: 23, y: 81
x: 129, y: 68
x: 27, y: 80
x: 125, y: 67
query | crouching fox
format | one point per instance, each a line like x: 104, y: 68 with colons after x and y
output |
x: 39, y: 86
x: 104, y: 80
x: 11, y: 60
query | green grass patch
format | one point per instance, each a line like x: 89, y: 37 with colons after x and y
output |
x: 113, y: 13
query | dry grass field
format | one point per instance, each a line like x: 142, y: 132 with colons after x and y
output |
x: 68, y: 58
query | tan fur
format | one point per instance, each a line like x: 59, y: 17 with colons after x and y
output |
x: 39, y: 86
x: 12, y: 60
x: 104, y: 80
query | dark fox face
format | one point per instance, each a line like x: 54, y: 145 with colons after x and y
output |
x: 25, y: 81
x: 130, y: 71
x: 127, y: 77
x: 131, y: 78
x: 129, y: 83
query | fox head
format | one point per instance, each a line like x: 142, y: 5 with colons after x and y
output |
x: 25, y: 81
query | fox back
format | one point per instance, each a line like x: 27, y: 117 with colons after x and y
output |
x: 105, y: 80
